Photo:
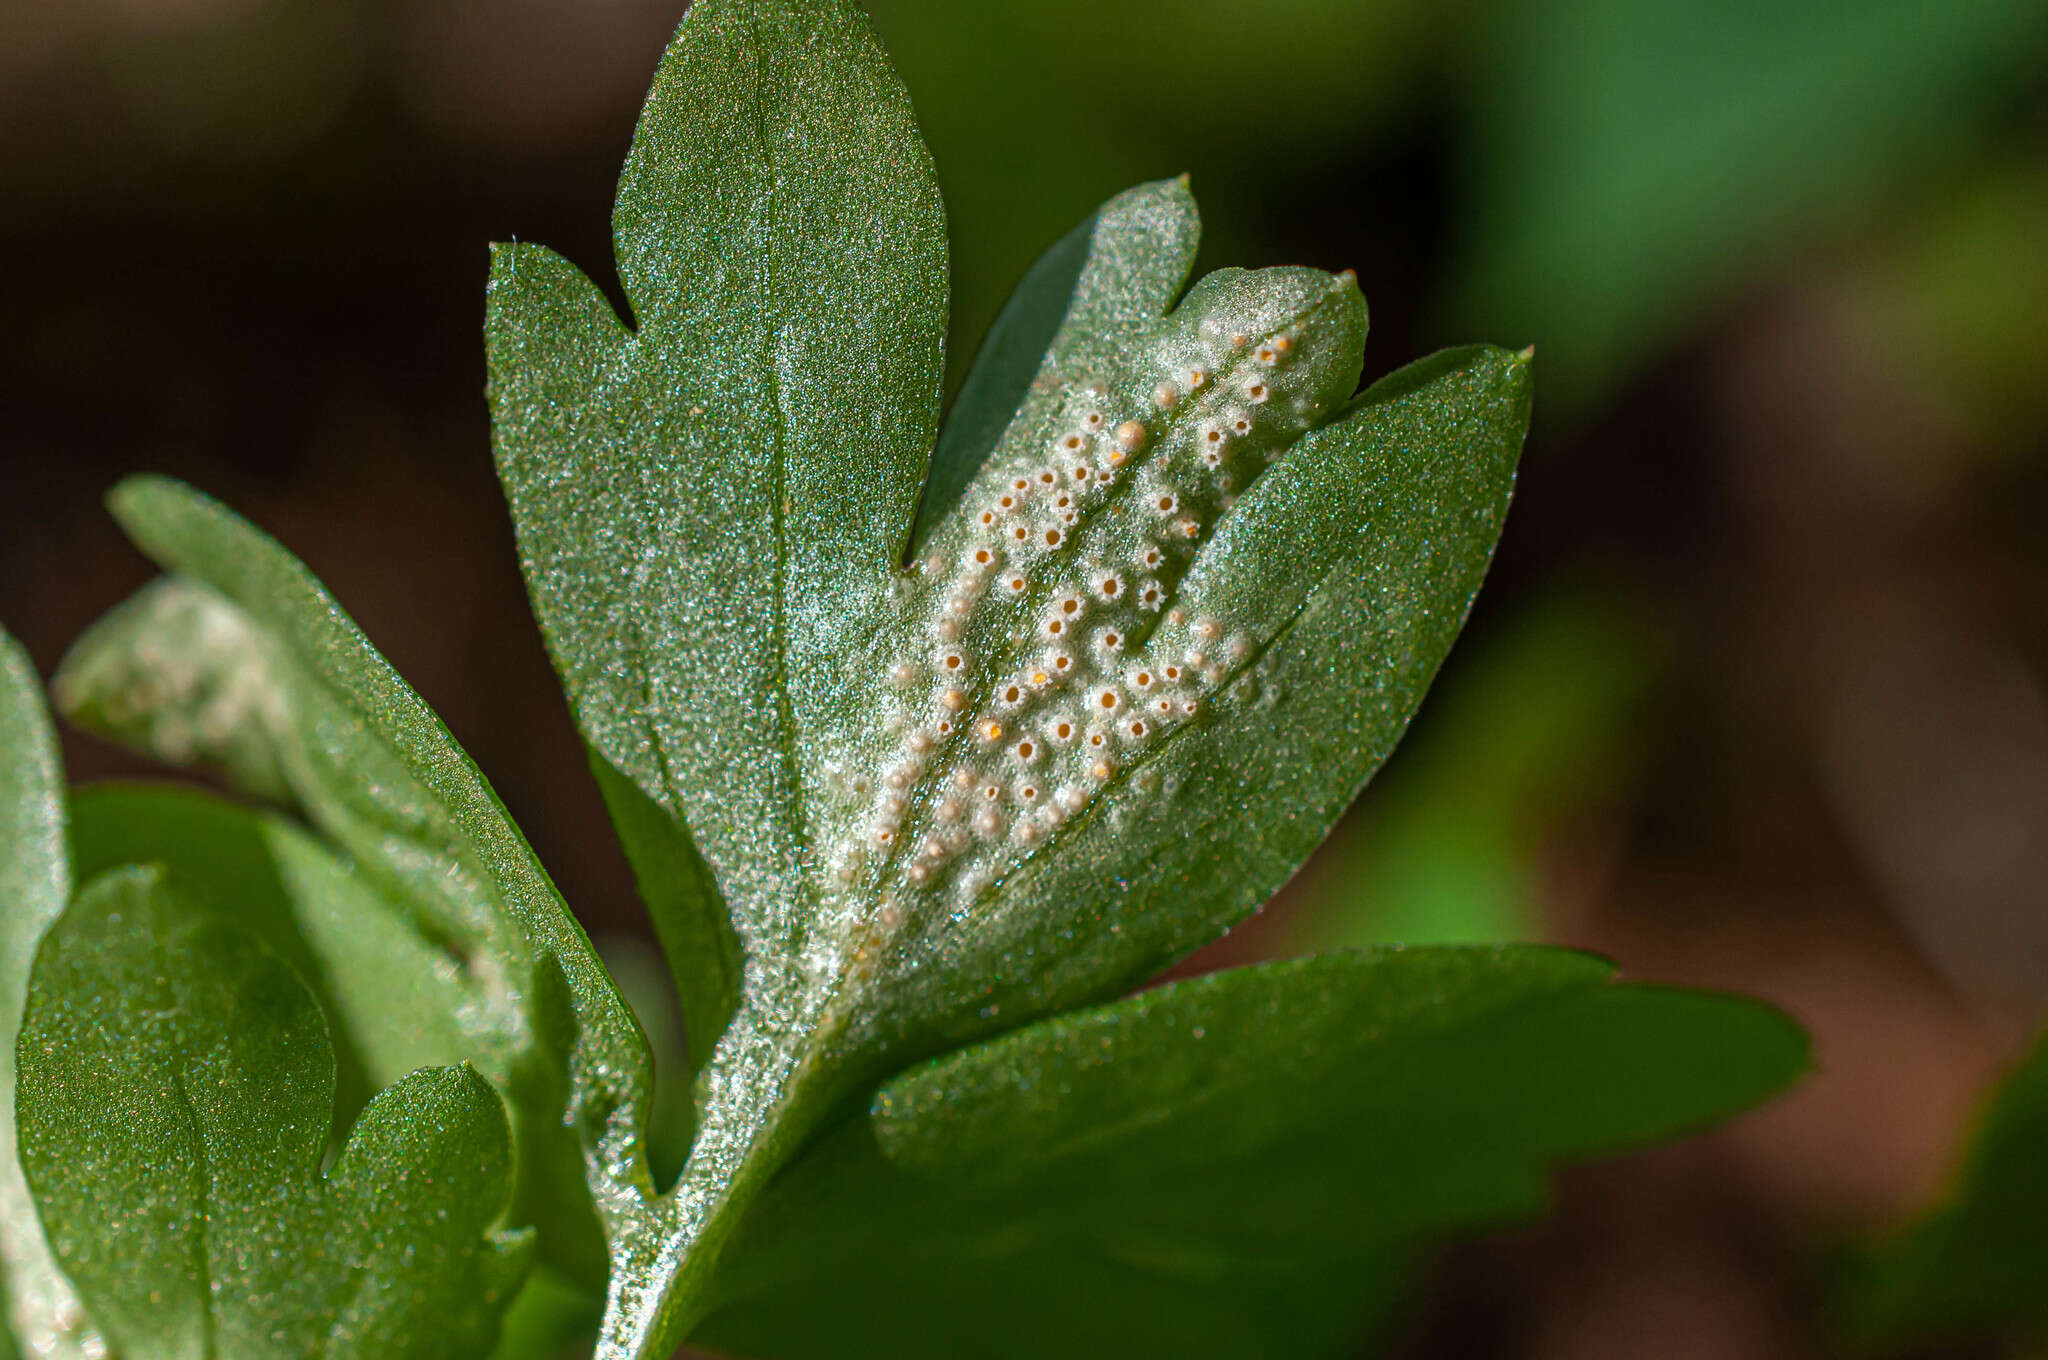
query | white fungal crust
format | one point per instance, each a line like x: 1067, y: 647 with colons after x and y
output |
x: 1047, y: 659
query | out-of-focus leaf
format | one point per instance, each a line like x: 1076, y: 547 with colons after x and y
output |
x: 1637, y: 163
x: 175, y: 1095
x: 397, y: 1000
x: 1533, y: 726
x: 378, y: 774
x: 1200, y: 1169
x: 1976, y: 1263
x: 35, y: 883
x: 550, y: 1320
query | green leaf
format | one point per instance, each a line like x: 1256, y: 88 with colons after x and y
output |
x: 35, y: 882
x: 1201, y: 1169
x: 396, y: 1000
x: 909, y: 784
x: 1975, y: 1263
x: 273, y: 663
x: 709, y: 504
x: 176, y: 1088
x: 1113, y: 273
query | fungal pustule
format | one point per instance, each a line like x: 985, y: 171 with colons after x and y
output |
x: 983, y: 558
x: 1106, y: 700
x: 1071, y: 799
x: 1093, y: 420
x: 1150, y: 556
x: 1108, y: 585
x: 989, y: 731
x: 1062, y: 730
x: 1188, y: 528
x: 1028, y: 792
x: 1164, y: 503
x: 988, y: 822
x: 1150, y: 595
x: 1130, y: 436
x: 1016, y: 583
x: 1136, y: 729
x: 1059, y: 663
x: 952, y: 662
x: 1074, y: 443
x: 1166, y: 396
x: 1053, y: 536
x: 1027, y: 750
x: 1011, y: 694
x: 903, y: 673
x: 1142, y: 678
x: 1110, y: 640
x: 953, y: 700
x: 1257, y: 391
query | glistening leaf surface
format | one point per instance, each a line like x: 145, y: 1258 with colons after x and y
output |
x: 710, y: 504
x: 175, y: 1093
x: 1303, y: 635
x: 35, y: 883
x: 946, y: 799
x: 245, y: 644
x: 1976, y: 1263
x: 1207, y: 1163
x: 395, y: 1000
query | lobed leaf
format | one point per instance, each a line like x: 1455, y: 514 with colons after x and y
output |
x: 35, y: 883
x: 395, y: 1000
x: 1213, y: 1166
x: 379, y: 775
x: 175, y: 1093
x: 1029, y: 768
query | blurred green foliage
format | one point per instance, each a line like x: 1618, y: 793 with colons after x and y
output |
x: 1537, y: 723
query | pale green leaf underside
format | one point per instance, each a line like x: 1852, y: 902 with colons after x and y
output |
x: 395, y: 1000
x: 244, y: 650
x: 175, y: 1096
x: 35, y: 883
x: 1123, y: 687
x: 1207, y: 1168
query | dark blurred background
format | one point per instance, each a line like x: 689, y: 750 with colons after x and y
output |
x: 1753, y: 698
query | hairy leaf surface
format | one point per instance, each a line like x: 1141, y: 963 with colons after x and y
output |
x: 1208, y: 1167
x: 175, y: 1095
x: 396, y: 1000
x: 35, y: 883
x: 1173, y: 595
x: 244, y: 650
